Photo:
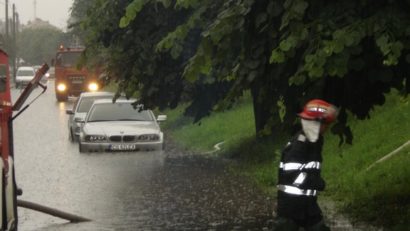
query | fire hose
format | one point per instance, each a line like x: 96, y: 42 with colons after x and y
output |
x: 50, y: 211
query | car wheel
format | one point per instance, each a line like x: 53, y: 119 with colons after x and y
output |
x: 81, y: 148
x: 72, y: 138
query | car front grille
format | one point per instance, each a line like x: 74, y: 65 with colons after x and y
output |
x: 76, y: 82
x: 79, y: 79
x: 128, y: 138
x: 122, y: 138
x: 115, y: 138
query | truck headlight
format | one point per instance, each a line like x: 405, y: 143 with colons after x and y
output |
x: 61, y: 87
x: 93, y: 87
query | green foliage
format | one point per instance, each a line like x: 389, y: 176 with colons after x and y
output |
x: 208, y: 53
x: 310, y: 46
x: 328, y: 54
x: 131, y: 12
x: 229, y: 127
x: 380, y: 193
x: 175, y: 39
x: 38, y: 44
x: 284, y: 51
x: 187, y: 3
x: 379, y: 196
x: 122, y: 36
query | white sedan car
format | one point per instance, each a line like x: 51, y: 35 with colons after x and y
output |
x: 120, y: 126
x: 81, y: 106
x: 24, y: 75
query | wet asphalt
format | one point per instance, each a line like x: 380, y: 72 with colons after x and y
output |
x: 169, y: 190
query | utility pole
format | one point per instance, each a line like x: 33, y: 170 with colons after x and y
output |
x: 17, y: 23
x: 35, y: 10
x: 6, y: 39
x: 14, y: 51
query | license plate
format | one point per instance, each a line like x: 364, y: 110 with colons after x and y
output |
x: 77, y: 81
x: 123, y: 147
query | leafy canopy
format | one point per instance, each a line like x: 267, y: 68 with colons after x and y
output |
x: 284, y: 51
x: 38, y: 44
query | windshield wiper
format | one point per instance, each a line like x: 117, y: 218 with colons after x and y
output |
x: 130, y: 120
x: 98, y: 120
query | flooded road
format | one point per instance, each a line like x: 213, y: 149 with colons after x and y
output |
x: 124, y: 191
x: 167, y: 190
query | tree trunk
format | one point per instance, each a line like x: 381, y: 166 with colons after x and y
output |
x: 260, y: 110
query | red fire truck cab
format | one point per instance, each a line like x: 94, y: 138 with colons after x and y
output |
x: 8, y: 208
x: 69, y: 79
x: 9, y: 190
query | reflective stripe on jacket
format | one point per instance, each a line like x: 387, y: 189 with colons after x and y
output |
x: 300, y: 166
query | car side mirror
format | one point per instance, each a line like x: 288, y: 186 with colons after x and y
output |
x: 69, y: 112
x: 79, y: 120
x: 161, y: 118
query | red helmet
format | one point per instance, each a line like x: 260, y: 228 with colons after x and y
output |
x: 318, y: 109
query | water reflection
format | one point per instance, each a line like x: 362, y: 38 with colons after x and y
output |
x: 52, y: 172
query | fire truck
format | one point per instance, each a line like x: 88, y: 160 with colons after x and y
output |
x: 9, y: 190
x: 8, y: 112
x: 69, y: 79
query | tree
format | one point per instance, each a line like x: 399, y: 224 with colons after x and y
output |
x: 127, y: 53
x: 131, y: 58
x: 284, y: 51
x: 349, y: 53
x: 38, y: 43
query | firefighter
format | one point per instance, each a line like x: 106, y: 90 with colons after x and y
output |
x: 299, y: 179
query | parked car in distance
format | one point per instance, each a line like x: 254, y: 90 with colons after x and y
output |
x: 80, y: 108
x: 120, y: 126
x: 44, y: 79
x: 24, y: 75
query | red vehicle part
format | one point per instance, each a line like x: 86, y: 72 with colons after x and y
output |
x: 9, y: 190
x: 8, y: 204
x: 70, y: 80
x: 5, y: 106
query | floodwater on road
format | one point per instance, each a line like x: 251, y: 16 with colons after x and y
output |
x: 166, y: 190
x: 124, y: 191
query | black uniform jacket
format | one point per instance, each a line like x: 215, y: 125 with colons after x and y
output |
x: 300, y: 159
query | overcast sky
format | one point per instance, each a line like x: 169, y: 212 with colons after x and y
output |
x: 55, y: 12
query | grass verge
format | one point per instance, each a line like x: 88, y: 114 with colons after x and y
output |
x: 380, y: 195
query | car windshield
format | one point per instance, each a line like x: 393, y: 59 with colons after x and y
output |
x: 118, y: 112
x: 87, y: 102
x: 25, y: 73
x: 67, y: 59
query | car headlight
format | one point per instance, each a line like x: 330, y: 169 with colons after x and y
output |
x: 95, y: 138
x: 47, y: 74
x: 93, y: 87
x: 61, y: 87
x: 148, y: 137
